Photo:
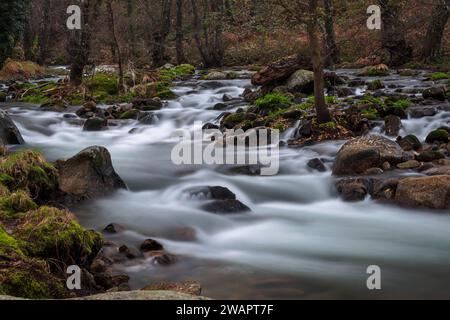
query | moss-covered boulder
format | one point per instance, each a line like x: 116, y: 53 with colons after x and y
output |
x: 16, y: 202
x: 52, y: 233
x: 89, y: 174
x: 438, y: 135
x: 27, y: 170
x: 25, y: 277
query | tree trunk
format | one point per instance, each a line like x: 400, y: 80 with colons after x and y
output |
x: 159, y: 37
x: 393, y: 33
x: 44, y: 33
x: 79, y: 46
x: 112, y: 26
x: 433, y: 40
x: 332, y: 52
x: 28, y: 37
x: 323, y: 114
x: 179, y: 33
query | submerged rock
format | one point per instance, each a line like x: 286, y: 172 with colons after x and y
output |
x: 225, y: 207
x: 89, y: 174
x: 9, y: 134
x: 362, y: 153
x: 431, y: 192
x: 317, y: 164
x: 95, y: 124
x: 211, y: 193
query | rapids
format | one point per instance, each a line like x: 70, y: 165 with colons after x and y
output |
x: 300, y: 241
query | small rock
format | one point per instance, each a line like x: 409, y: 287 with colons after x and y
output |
x: 317, y: 164
x: 151, y: 245
x: 226, y: 207
x: 411, y: 164
x: 374, y: 171
x: 437, y: 93
x: 95, y: 124
x: 438, y: 135
x: 113, y: 228
x: 409, y: 142
x: 392, y: 124
x: 428, y: 156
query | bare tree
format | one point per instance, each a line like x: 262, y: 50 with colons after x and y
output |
x: 210, y: 44
x: 307, y: 12
x: 393, y: 32
x: 118, y: 51
x: 179, y: 33
x: 332, y: 50
x: 160, y: 35
x: 433, y: 40
x: 79, y: 43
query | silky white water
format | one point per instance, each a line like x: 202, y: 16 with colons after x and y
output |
x: 299, y: 241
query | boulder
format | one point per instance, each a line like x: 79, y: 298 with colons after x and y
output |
x: 280, y: 70
x: 438, y: 135
x: 301, y: 81
x: 89, y: 174
x: 362, y: 153
x: 95, y: 124
x: 9, y: 134
x: 409, y: 142
x: 430, y: 192
x: 188, y: 287
x: 436, y: 93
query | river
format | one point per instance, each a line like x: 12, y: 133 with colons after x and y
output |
x: 299, y: 242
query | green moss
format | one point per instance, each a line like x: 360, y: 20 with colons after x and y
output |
x: 232, y: 75
x: 328, y: 126
x: 439, y: 135
x: 103, y: 83
x: 439, y: 76
x: 17, y: 202
x: 331, y: 100
x: 36, y: 99
x: 27, y: 170
x: 279, y: 126
x: 233, y: 120
x: 8, y: 244
x: 402, y: 104
x: 376, y: 72
x: 20, y: 284
x: 130, y: 114
x: 171, y: 74
x: 375, y: 85
x: 370, y: 113
x: 273, y: 100
x: 52, y: 233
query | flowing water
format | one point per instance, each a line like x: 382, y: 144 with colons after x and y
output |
x: 299, y: 241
